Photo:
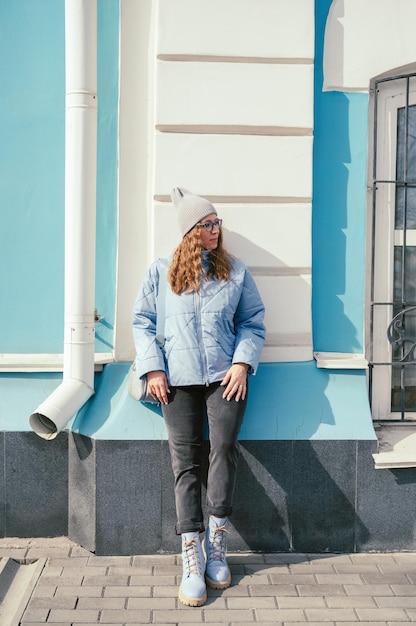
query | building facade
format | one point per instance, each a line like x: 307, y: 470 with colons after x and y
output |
x: 296, y: 120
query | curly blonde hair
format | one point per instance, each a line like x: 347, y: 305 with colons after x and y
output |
x: 186, y: 272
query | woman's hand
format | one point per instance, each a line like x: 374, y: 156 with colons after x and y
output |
x: 158, y: 386
x: 235, y: 382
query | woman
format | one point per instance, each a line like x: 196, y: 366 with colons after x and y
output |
x: 213, y: 335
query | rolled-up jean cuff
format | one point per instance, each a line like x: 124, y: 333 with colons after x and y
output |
x: 189, y: 527
x: 219, y: 511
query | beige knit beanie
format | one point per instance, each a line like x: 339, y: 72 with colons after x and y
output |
x: 191, y: 208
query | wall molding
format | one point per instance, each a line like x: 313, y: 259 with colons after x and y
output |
x: 340, y: 360
x: 245, y: 199
x: 235, y: 129
x: 256, y: 270
x: 213, y: 58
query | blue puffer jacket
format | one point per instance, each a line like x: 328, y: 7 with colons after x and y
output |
x: 204, y: 333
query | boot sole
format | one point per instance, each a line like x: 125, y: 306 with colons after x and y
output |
x: 191, y: 601
x: 213, y: 584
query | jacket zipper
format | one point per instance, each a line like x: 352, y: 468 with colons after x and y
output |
x: 200, y: 341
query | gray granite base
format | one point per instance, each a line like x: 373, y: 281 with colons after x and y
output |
x: 116, y: 497
x: 33, y: 486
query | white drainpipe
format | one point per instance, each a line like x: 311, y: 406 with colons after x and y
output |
x: 80, y: 197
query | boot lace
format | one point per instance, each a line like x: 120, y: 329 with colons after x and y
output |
x: 217, y: 543
x: 191, y: 557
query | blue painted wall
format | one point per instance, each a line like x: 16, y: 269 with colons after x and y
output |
x: 32, y: 108
x: 107, y: 171
x: 32, y: 119
x: 339, y: 210
x: 293, y: 401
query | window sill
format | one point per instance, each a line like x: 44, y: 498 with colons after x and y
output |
x: 396, y: 445
x: 340, y: 360
x: 11, y: 363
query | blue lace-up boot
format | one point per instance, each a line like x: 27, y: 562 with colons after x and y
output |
x: 217, y: 572
x: 193, y: 591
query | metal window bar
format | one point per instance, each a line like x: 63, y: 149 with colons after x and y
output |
x: 396, y: 331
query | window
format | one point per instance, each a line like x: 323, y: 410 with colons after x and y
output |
x: 392, y: 324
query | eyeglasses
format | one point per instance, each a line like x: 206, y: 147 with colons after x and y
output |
x: 209, y: 226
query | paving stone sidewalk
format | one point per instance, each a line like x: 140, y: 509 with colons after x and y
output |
x: 77, y: 588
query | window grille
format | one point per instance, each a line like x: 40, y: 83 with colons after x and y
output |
x: 392, y: 366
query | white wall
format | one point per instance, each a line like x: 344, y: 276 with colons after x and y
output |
x: 366, y: 38
x: 136, y: 128
x: 232, y: 120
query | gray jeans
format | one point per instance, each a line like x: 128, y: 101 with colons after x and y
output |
x: 184, y: 418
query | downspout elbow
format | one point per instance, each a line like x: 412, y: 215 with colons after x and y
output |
x: 53, y: 414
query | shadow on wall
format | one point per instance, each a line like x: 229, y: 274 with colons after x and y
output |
x: 112, y: 414
x: 287, y: 402
x: 339, y: 199
x: 297, y: 496
x: 252, y: 254
x: 294, y: 493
